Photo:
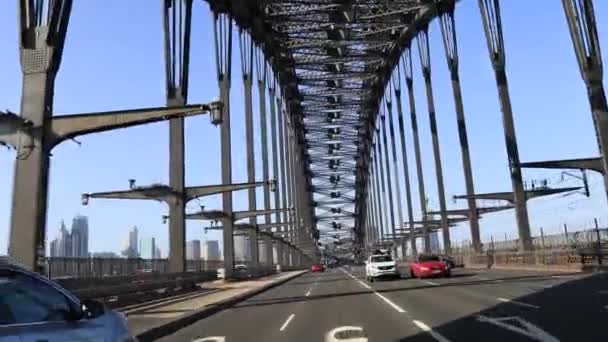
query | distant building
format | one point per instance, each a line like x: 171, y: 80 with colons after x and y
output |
x: 242, y: 248
x: 193, y: 250
x: 105, y: 255
x: 157, y: 253
x: 133, y: 239
x: 64, y: 242
x: 130, y: 245
x: 54, y: 248
x: 147, y: 248
x: 80, y: 237
x: 434, y: 237
x: 210, y: 250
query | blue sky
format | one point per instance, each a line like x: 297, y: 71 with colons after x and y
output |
x: 113, y: 60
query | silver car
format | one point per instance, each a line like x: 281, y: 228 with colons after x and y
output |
x: 33, y: 308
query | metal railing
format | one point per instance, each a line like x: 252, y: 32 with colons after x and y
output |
x: 106, y: 267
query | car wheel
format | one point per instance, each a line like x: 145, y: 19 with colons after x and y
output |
x: 412, y: 275
x: 448, y: 274
x: 371, y: 279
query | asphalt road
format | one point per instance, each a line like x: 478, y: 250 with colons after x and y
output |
x: 472, y: 305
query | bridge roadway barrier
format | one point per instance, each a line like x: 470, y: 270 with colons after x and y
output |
x: 567, y: 260
x: 152, y: 323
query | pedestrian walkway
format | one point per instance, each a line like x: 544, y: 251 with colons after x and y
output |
x: 224, y: 292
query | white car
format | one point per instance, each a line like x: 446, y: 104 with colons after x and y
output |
x: 33, y: 308
x: 380, y: 265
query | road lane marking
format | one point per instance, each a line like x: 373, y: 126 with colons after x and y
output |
x: 484, y: 278
x: 389, y: 302
x: 308, y: 293
x: 364, y: 284
x: 530, y: 330
x: 498, y: 280
x: 284, y: 326
x: 505, y: 300
x: 346, y: 334
x: 432, y: 283
x: 211, y: 339
x: 437, y: 336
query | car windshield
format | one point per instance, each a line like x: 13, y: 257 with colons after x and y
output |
x: 424, y: 258
x: 382, y: 258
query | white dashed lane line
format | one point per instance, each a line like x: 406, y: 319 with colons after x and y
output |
x: 505, y: 300
x: 308, y: 293
x: 389, y: 302
x: 437, y: 336
x: 364, y: 285
x: 284, y: 326
x: 432, y: 283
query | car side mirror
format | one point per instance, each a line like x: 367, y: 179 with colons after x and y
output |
x: 92, y: 308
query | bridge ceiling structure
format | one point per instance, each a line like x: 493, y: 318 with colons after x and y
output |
x: 333, y: 60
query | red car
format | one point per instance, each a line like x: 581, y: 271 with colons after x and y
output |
x: 429, y: 266
x: 317, y: 268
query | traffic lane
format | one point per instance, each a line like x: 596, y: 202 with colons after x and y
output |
x: 569, y: 311
x: 247, y: 321
x: 456, y: 307
x: 350, y: 304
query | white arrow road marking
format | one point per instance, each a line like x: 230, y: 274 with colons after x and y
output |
x: 211, y: 339
x: 358, y: 334
x: 505, y: 300
x: 437, y: 336
x: 284, y: 326
x: 532, y: 331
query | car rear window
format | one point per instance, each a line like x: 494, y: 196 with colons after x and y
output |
x: 424, y: 258
x: 382, y: 258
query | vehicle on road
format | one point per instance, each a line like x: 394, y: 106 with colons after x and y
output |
x: 317, y: 268
x: 429, y: 266
x: 448, y: 260
x: 34, y: 308
x: 380, y: 266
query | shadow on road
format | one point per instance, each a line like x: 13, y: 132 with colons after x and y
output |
x: 576, y: 310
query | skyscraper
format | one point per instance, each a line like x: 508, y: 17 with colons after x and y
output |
x: 130, y: 245
x: 54, y: 248
x: 210, y: 250
x: 133, y: 239
x: 147, y: 248
x: 193, y: 250
x: 80, y: 237
x: 157, y: 253
x: 64, y: 242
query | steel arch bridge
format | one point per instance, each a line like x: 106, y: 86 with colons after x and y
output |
x: 334, y: 71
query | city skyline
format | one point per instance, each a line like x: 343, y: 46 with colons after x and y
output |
x: 73, y: 243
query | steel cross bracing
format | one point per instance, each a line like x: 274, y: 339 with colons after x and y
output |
x: 328, y: 55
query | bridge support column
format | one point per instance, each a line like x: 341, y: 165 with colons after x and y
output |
x: 406, y: 172
x: 583, y: 31
x: 41, y: 47
x: 490, y: 14
x: 448, y: 32
x: 246, y: 49
x: 261, y: 74
x: 409, y: 79
x: 223, y: 47
x: 177, y: 20
x: 425, y: 62
x: 399, y: 223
